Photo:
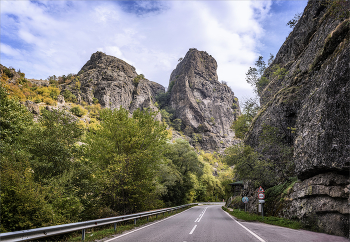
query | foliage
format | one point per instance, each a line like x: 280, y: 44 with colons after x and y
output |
x: 243, y: 122
x: 269, y: 220
x: 51, y: 144
x: 94, y: 110
x: 278, y: 72
x: 255, y: 77
x: 28, y: 198
x: 186, y: 162
x: 249, y: 165
x: 177, y: 123
x: 8, y: 72
x: 126, y: 153
x: 291, y: 23
x: 137, y: 79
x: 78, y: 110
x: 69, y: 96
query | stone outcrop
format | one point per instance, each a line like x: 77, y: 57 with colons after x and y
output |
x: 204, y: 105
x: 32, y: 107
x: 313, y: 98
x: 112, y: 82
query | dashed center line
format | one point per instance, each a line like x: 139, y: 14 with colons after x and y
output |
x: 193, y: 229
x: 200, y: 216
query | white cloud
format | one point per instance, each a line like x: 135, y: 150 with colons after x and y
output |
x: 59, y: 39
x: 8, y: 50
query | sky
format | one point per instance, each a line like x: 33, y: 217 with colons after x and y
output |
x: 45, y: 38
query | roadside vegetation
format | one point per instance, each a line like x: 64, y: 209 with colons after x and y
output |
x: 246, y: 216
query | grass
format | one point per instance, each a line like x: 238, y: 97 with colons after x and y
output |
x: 268, y: 220
x: 108, y: 230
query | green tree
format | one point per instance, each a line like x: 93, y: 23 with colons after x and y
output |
x: 126, y: 153
x: 250, y: 165
x: 52, y: 144
x: 255, y: 77
x: 243, y: 122
x: 186, y: 162
x: 23, y: 204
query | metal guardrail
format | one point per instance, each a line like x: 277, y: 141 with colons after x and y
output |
x: 38, y: 233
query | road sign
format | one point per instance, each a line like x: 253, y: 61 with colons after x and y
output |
x: 245, y: 199
x: 260, y: 190
x: 261, y: 201
x: 261, y: 196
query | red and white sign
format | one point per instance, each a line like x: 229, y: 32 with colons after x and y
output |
x: 261, y: 196
x: 260, y: 190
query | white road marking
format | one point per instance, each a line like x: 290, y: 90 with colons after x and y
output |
x: 145, y: 226
x: 193, y: 229
x: 255, y: 235
x: 200, y: 217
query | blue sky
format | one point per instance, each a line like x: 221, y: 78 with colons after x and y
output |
x: 43, y: 38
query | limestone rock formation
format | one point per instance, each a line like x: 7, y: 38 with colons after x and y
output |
x: 313, y: 98
x: 114, y: 83
x: 205, y: 106
x: 32, y: 107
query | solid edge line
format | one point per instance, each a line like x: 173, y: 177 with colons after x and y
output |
x: 146, y: 226
x: 193, y: 229
x: 245, y: 227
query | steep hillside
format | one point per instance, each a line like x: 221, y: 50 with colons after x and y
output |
x: 205, y: 106
x: 307, y: 99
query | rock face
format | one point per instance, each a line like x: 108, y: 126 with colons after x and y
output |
x: 205, y: 106
x: 313, y: 98
x: 112, y: 82
x: 32, y: 107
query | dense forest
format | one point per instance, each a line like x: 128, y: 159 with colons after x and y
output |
x: 57, y: 169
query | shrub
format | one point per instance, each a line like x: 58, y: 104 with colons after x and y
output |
x: 8, y: 73
x: 69, y: 96
x: 94, y: 110
x: 78, y: 111
x: 49, y: 101
x: 137, y: 79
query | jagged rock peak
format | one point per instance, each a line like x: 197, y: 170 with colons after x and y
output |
x: 205, y: 106
x: 113, y: 83
x: 100, y: 60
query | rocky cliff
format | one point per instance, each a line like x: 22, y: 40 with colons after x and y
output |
x: 114, y: 83
x: 206, y: 107
x: 312, y: 97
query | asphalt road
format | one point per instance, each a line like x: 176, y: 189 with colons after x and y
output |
x: 211, y: 224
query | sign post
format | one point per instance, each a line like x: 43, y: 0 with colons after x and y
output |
x: 261, y: 197
x: 245, y: 200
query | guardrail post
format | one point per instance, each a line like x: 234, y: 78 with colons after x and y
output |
x: 115, y: 227
x: 156, y: 216
x: 147, y: 218
x: 135, y: 221
x: 83, y: 234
